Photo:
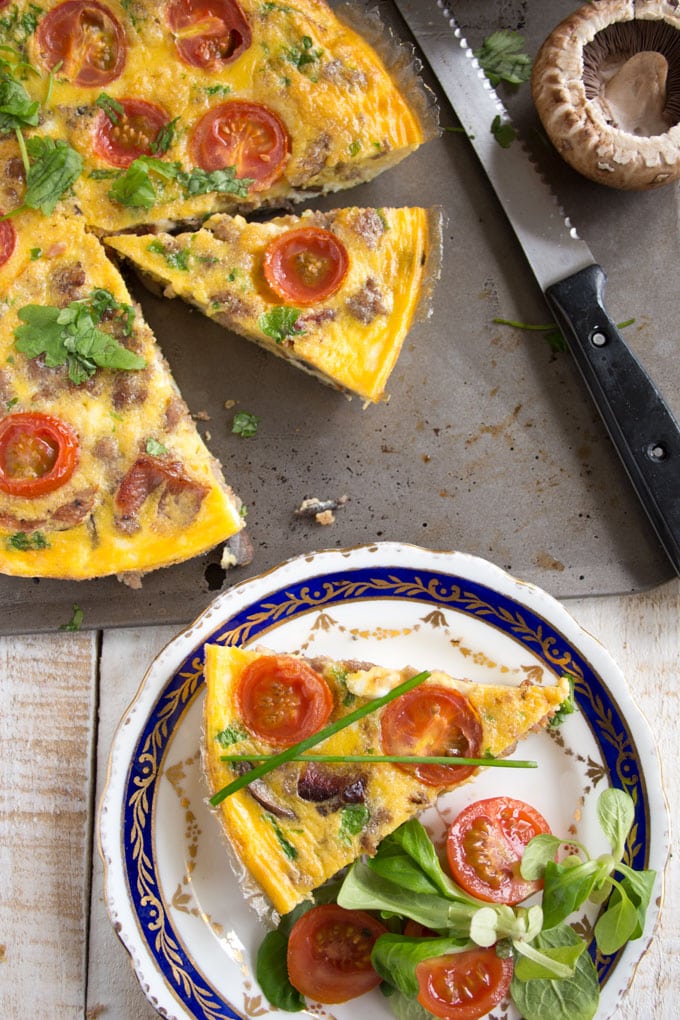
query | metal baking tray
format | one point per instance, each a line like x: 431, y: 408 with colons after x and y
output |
x: 489, y: 443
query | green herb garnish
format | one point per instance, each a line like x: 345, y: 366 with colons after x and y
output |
x: 281, y: 322
x: 316, y: 738
x: 245, y: 424
x: 17, y: 109
x: 23, y: 542
x: 406, y: 759
x: 154, y: 448
x: 54, y: 168
x: 353, y: 820
x: 164, y: 138
x: 500, y: 57
x: 232, y: 734
x: 176, y: 259
x: 76, y: 621
x: 71, y: 336
x: 503, y: 132
x: 111, y: 107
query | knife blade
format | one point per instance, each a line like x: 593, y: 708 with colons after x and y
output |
x: 640, y: 424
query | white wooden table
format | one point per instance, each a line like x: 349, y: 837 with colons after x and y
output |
x: 62, y: 697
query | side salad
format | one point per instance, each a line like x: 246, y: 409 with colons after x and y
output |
x: 454, y: 941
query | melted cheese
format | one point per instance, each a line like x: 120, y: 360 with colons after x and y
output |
x: 291, y: 854
x: 352, y: 339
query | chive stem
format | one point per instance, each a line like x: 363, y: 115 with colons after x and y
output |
x: 316, y: 738
x: 406, y: 759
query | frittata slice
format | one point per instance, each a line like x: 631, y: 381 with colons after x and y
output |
x: 300, y: 824
x: 335, y: 293
x: 102, y: 470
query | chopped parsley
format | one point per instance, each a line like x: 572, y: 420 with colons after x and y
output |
x: 500, y: 57
x: 355, y: 147
x: 154, y: 448
x: 218, y: 90
x: 71, y: 336
x: 23, y: 542
x: 304, y: 54
x: 245, y: 424
x: 35, y: 254
x: 281, y: 322
x: 231, y: 734
x: 568, y: 706
x: 76, y: 621
x: 16, y: 27
x: 176, y: 259
x: 353, y: 819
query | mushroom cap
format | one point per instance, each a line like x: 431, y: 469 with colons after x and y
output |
x: 606, y: 86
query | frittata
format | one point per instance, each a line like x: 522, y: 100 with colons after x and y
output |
x: 300, y: 824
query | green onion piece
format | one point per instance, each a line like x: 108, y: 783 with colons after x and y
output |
x: 406, y: 759
x: 316, y: 738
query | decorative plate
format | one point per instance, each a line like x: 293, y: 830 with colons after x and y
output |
x: 170, y: 890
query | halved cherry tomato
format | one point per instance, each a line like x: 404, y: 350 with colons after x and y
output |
x: 485, y: 845
x: 8, y: 240
x: 247, y: 136
x: 463, y: 986
x: 432, y: 720
x: 282, y: 699
x: 132, y: 134
x: 38, y: 453
x: 208, y: 33
x: 329, y: 953
x: 86, y: 39
x: 305, y: 265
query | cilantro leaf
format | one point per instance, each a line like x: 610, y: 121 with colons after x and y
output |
x: 500, y: 57
x: 103, y: 302
x: 200, y: 182
x: 70, y: 336
x: 134, y: 188
x: 281, y: 322
x: 54, y: 168
x: 16, y: 108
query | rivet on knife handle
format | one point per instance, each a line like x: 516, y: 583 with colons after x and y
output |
x: 641, y: 426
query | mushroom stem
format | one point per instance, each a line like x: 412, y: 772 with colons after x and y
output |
x: 634, y: 99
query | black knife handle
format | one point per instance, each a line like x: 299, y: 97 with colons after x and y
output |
x: 640, y: 423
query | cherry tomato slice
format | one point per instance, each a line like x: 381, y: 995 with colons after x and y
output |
x: 432, y: 720
x: 208, y: 33
x: 8, y: 240
x: 247, y: 136
x: 282, y: 699
x: 38, y: 453
x: 85, y: 39
x: 463, y: 986
x: 305, y: 265
x: 329, y: 953
x: 132, y: 134
x: 485, y: 844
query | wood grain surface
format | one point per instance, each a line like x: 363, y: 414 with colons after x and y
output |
x: 62, y: 698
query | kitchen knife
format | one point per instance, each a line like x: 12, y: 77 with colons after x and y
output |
x: 639, y: 422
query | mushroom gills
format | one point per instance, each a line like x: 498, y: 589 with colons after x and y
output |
x: 634, y: 98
